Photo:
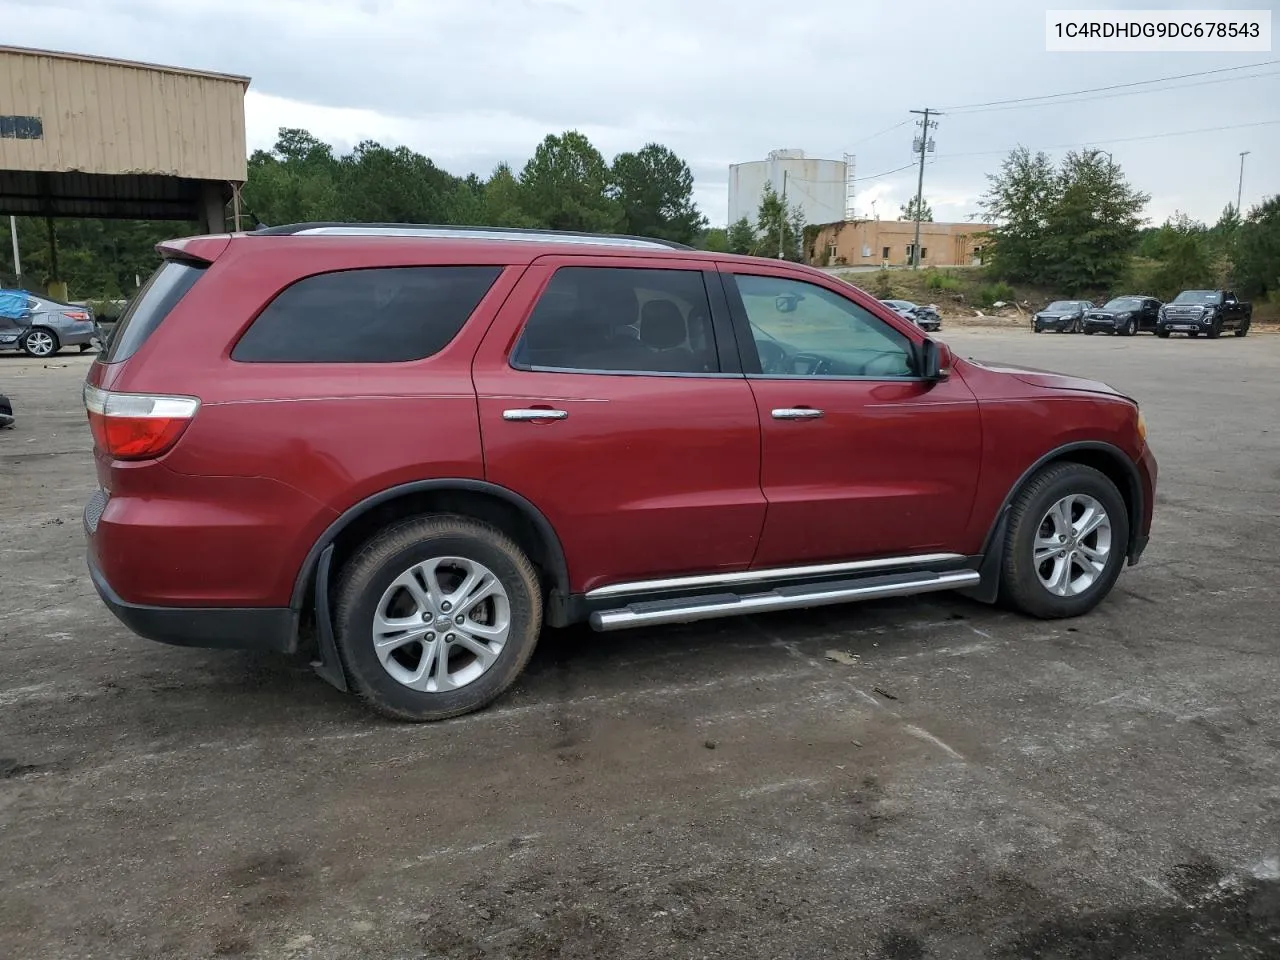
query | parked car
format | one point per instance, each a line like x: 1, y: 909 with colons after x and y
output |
x: 1194, y: 312
x: 1124, y: 316
x: 407, y: 449
x: 924, y: 317
x: 49, y: 325
x: 1064, y: 316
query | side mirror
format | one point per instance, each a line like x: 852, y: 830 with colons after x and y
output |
x: 935, y: 361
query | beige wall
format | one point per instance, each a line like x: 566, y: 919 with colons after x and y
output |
x: 864, y: 243
x: 114, y: 117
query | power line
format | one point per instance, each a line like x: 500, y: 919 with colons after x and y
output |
x: 874, y: 176
x: 881, y: 133
x: 1114, y: 86
x: 1088, y: 143
x: 1121, y: 93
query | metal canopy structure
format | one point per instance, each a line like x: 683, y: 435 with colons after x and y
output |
x: 94, y: 137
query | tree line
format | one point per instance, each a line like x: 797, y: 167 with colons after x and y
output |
x: 1078, y: 227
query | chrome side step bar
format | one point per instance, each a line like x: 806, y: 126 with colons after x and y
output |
x: 688, y: 609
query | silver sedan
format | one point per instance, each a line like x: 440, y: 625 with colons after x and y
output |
x: 48, y: 326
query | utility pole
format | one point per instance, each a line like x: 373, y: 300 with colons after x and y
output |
x: 926, y: 145
x: 782, y: 215
x: 1240, y: 188
x: 17, y: 261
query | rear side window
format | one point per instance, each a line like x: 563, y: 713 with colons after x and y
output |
x: 381, y: 315
x: 158, y: 296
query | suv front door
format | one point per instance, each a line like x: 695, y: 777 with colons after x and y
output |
x: 611, y: 397
x: 861, y: 458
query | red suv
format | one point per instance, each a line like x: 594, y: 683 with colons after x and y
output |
x: 408, y: 448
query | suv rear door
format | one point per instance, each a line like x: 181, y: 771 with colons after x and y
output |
x: 647, y: 461
x: 861, y: 458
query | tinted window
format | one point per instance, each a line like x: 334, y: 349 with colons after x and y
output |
x: 801, y: 329
x: 158, y: 296
x: 1124, y: 303
x: 620, y: 320
x: 382, y: 315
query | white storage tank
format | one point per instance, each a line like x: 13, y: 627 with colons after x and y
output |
x: 815, y: 186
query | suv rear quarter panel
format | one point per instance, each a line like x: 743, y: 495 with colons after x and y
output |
x: 277, y: 451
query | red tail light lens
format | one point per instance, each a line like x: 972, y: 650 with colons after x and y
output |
x: 75, y: 315
x: 136, y: 426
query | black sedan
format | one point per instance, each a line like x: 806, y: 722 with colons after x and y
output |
x: 1064, y: 316
x: 1124, y: 316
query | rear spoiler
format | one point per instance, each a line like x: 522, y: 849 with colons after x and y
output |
x: 201, y: 250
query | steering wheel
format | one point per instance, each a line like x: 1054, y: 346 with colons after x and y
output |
x: 773, y: 356
x: 810, y: 365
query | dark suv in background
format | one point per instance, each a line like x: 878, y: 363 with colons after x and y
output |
x: 407, y: 449
x: 1123, y: 316
x: 1210, y: 312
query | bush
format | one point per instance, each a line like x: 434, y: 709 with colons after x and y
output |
x: 993, y: 292
x: 933, y: 280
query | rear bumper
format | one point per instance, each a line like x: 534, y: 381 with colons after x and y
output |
x: 227, y: 628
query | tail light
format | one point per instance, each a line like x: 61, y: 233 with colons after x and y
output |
x: 136, y: 426
x: 76, y: 315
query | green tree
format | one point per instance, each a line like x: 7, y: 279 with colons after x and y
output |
x: 715, y: 239
x: 1074, y: 228
x: 1182, y: 247
x: 654, y: 189
x: 564, y: 186
x: 1258, y: 251
x: 908, y: 211
x: 1092, y: 224
x: 294, y: 182
x: 778, y: 229
x: 503, y: 203
x: 1018, y: 201
x: 385, y: 185
x: 741, y: 237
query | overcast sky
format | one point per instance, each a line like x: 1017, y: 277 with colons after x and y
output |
x: 471, y: 83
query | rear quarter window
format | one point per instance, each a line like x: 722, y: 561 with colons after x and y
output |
x: 155, y: 301
x: 377, y: 315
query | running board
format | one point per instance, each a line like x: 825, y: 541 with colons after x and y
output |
x: 708, y: 606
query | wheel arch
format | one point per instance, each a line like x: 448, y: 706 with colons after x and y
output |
x: 477, y: 498
x: 1107, y: 459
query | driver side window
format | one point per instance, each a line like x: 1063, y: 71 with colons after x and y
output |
x: 803, y: 330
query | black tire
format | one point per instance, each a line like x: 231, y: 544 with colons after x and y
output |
x: 1243, y: 329
x: 368, y: 574
x: 1130, y: 328
x: 26, y: 340
x: 1020, y: 585
x: 1088, y: 332
x: 1193, y: 334
x: 1215, y: 331
x: 1036, y: 328
x: 1162, y: 334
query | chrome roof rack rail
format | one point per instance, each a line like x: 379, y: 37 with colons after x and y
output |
x: 457, y: 232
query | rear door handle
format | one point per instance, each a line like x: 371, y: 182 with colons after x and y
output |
x: 534, y: 414
x: 796, y: 413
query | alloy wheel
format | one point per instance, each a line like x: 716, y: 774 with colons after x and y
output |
x: 39, y: 343
x: 441, y: 624
x: 1072, y: 545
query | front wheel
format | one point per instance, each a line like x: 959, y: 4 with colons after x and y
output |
x: 436, y: 617
x: 1162, y: 334
x: 1066, y: 542
x: 1215, y: 330
x: 1130, y: 328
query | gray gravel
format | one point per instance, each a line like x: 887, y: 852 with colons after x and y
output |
x: 1103, y: 788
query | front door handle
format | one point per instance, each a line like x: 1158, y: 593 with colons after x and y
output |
x: 796, y: 413
x: 534, y: 414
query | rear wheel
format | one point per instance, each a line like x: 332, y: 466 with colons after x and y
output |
x: 1243, y: 329
x: 40, y: 342
x: 1066, y: 542
x: 436, y: 617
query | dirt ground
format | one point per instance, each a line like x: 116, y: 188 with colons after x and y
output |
x: 958, y: 783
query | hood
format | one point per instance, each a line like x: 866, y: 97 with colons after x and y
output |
x: 1050, y: 380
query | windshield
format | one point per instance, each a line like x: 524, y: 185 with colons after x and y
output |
x: 1063, y: 305
x: 1123, y: 303
x: 1198, y: 296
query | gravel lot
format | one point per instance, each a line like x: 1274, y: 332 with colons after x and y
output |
x: 963, y: 784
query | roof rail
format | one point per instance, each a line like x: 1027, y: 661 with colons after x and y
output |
x: 462, y: 232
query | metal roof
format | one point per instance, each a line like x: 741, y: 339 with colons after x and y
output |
x: 111, y: 61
